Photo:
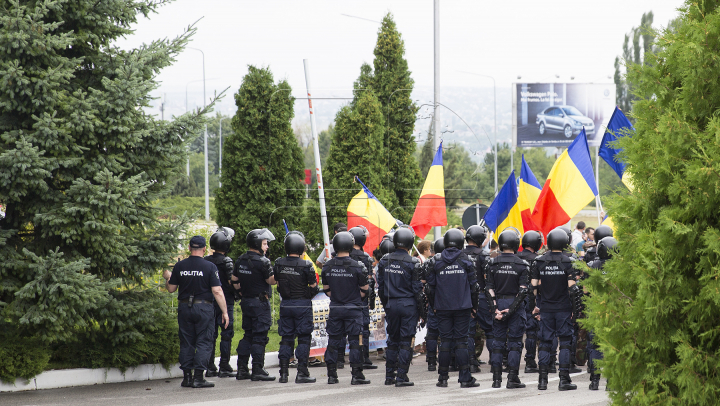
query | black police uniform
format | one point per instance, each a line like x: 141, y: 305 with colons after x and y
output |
x: 531, y: 323
x: 482, y: 316
x: 225, y: 268
x: 364, y: 258
x: 506, y: 274
x: 344, y: 276
x: 593, y: 350
x: 195, y: 279
x: 399, y: 287
x: 252, y: 270
x: 451, y: 279
x: 554, y: 270
x: 433, y: 332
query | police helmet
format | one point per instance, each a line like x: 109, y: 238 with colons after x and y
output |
x: 606, y: 246
x: 255, y: 238
x: 509, y: 240
x: 294, y: 243
x: 221, y: 239
x: 387, y: 247
x: 454, y: 238
x: 568, y: 232
x: 389, y: 235
x: 476, y: 234
x: 360, y: 235
x: 439, y: 245
x: 557, y: 240
x: 343, y: 242
x: 602, y: 232
x: 532, y: 239
x: 403, y: 238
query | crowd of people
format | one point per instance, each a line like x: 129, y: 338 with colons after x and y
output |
x: 464, y: 287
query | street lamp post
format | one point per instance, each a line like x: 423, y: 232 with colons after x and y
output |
x: 220, y: 153
x: 207, y: 183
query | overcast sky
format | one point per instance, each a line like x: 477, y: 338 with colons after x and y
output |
x: 504, y: 39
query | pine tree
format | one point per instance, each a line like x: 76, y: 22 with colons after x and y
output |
x: 623, y: 90
x: 262, y: 160
x: 393, y: 87
x: 356, y: 150
x: 655, y: 311
x: 80, y: 167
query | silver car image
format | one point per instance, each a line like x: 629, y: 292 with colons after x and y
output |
x: 566, y: 119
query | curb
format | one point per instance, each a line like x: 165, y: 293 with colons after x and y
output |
x: 65, y: 378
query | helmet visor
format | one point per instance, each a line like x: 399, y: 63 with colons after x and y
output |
x: 265, y: 234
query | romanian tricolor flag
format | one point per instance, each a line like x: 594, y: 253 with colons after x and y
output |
x: 366, y: 210
x: 504, y: 211
x: 528, y: 192
x: 430, y: 210
x: 618, y: 126
x: 570, y: 186
x: 607, y: 221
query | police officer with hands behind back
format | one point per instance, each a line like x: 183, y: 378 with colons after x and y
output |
x: 197, y: 282
x: 506, y: 288
x: 297, y: 286
x: 255, y: 275
x: 433, y: 332
x: 475, y: 238
x: 400, y: 291
x: 553, y: 275
x: 345, y: 282
x: 360, y: 235
x: 532, y: 241
x: 453, y: 294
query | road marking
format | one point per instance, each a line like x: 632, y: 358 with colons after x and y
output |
x: 526, y: 383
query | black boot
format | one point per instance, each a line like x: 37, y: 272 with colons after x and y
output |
x: 390, y: 378
x: 552, y: 368
x: 453, y: 364
x: 341, y: 359
x: 212, y: 370
x: 199, y: 381
x: 514, y: 380
x: 431, y: 361
x: 574, y: 369
x: 442, y: 378
x: 303, y: 375
x: 357, y: 376
x: 403, y: 380
x: 226, y: 370
x: 530, y: 366
x: 565, y: 382
x: 242, y: 372
x: 497, y: 376
x: 187, y: 379
x: 367, y: 364
x: 284, y: 373
x: 332, y: 374
x: 543, y: 379
x: 260, y: 374
x: 474, y: 365
x: 472, y: 383
x: 594, y: 381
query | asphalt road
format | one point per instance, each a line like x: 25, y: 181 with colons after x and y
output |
x: 229, y: 391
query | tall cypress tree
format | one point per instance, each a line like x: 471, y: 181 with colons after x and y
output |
x: 356, y: 150
x: 393, y: 86
x: 655, y: 310
x: 262, y: 160
x: 80, y: 167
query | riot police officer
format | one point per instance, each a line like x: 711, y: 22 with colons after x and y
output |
x: 532, y: 241
x: 197, y: 282
x: 345, y: 282
x: 297, y: 286
x: 360, y: 235
x: 400, y: 291
x: 605, y: 249
x: 453, y: 292
x: 255, y: 275
x: 552, y: 274
x: 601, y: 232
x: 507, y: 286
x: 475, y: 238
x: 220, y: 243
x: 432, y: 335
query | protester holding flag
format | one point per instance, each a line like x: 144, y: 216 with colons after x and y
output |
x: 430, y: 210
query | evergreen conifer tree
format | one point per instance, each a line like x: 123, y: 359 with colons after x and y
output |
x: 262, y: 160
x: 80, y: 167
x: 393, y: 87
x: 655, y: 308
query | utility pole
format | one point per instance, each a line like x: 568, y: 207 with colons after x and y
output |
x: 436, y: 119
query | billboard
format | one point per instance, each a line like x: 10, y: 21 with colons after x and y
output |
x: 553, y: 114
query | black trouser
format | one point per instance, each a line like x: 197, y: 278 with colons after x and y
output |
x: 256, y: 321
x: 195, y: 326
x: 226, y: 333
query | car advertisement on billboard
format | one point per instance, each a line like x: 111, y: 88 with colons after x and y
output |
x: 553, y: 114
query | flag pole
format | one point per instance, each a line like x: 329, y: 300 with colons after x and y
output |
x: 318, y: 168
x: 598, y: 205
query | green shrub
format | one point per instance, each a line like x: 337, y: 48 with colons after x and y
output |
x: 21, y: 358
